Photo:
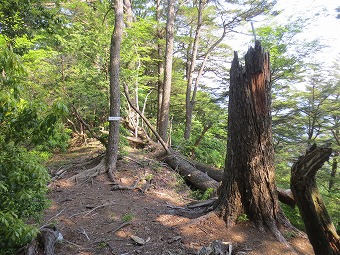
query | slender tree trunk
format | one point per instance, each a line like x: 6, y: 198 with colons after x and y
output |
x: 319, y: 227
x: 128, y: 12
x: 164, y: 115
x: 190, y: 106
x: 160, y: 67
x: 336, y: 134
x: 189, y: 101
x: 116, y: 39
x: 199, y: 139
x: 248, y: 184
x: 333, y: 172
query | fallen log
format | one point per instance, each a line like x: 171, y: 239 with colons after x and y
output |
x: 285, y: 195
x: 213, y: 172
x: 190, y: 173
x: 199, y: 175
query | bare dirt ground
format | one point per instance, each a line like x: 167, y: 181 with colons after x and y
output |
x: 96, y: 220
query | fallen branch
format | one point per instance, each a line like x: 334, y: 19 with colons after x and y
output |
x: 82, y: 230
x: 166, y: 148
x: 80, y: 119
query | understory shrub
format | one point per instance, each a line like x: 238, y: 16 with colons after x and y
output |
x: 23, y: 187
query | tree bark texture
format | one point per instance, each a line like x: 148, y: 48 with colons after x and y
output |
x: 164, y: 115
x: 248, y: 184
x: 116, y: 39
x: 319, y: 227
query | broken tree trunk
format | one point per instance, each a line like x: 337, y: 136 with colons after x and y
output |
x: 46, y: 240
x: 249, y: 185
x: 319, y: 227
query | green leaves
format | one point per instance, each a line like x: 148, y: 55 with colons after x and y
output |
x: 22, y: 197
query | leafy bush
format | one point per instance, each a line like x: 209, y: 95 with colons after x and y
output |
x: 22, y: 195
x: 25, y: 125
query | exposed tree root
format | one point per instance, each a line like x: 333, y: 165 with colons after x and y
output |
x: 89, y: 173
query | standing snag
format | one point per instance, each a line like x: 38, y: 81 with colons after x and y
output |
x: 319, y: 227
x: 248, y: 185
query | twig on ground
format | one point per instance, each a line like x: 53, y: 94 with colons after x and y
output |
x: 95, y: 208
x: 55, y: 216
x: 120, y: 227
x: 82, y: 230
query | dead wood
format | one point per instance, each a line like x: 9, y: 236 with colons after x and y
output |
x: 87, y: 126
x: 90, y: 173
x: 213, y: 172
x: 44, y: 242
x: 164, y: 145
x: 191, y: 174
x: 137, y: 142
x: 319, y: 227
x: 204, y: 203
x: 286, y: 196
x: 123, y: 225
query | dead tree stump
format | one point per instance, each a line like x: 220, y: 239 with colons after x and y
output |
x: 319, y: 227
x: 249, y: 185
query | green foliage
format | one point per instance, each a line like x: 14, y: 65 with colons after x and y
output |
x: 294, y: 216
x: 22, y: 17
x: 127, y: 217
x: 202, y: 195
x: 26, y: 127
x: 242, y: 218
x: 23, y: 186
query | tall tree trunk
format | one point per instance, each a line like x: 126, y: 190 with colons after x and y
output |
x: 164, y: 115
x: 116, y: 39
x: 319, y: 227
x: 189, y: 101
x: 160, y: 67
x: 248, y: 184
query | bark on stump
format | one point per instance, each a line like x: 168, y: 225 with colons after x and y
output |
x: 319, y: 227
x: 248, y: 185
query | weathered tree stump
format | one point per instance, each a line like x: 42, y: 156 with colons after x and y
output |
x: 319, y: 227
x: 249, y: 185
x: 44, y: 243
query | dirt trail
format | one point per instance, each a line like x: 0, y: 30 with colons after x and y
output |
x: 95, y: 220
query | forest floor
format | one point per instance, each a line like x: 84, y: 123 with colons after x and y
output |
x: 96, y: 220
